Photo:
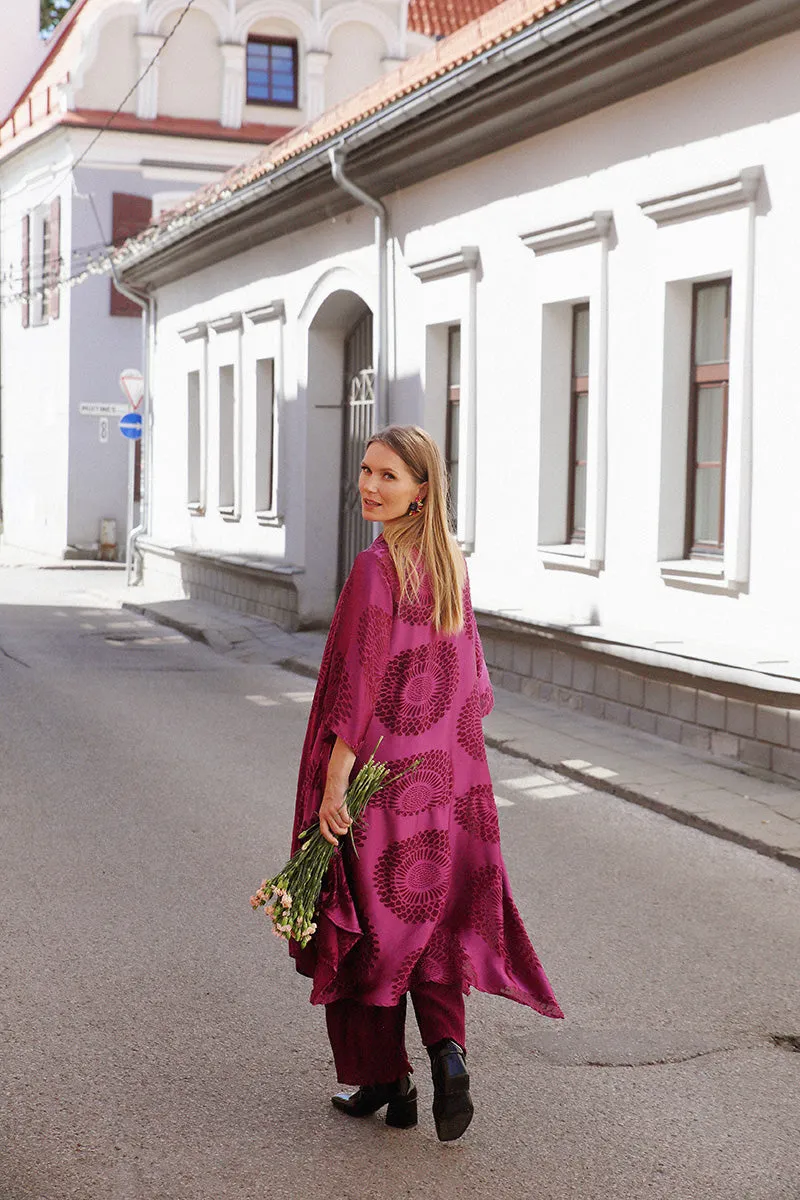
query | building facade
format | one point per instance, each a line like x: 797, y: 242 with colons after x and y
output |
x: 120, y: 115
x: 592, y: 310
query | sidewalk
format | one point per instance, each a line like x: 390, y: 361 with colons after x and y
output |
x: 744, y: 806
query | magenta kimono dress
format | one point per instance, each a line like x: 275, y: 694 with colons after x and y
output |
x: 427, y: 899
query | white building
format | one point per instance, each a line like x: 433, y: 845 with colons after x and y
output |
x: 198, y: 87
x: 590, y: 258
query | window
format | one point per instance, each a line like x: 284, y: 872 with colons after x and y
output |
x: 227, y: 433
x: 194, y: 479
x: 453, y: 414
x: 44, y: 235
x: 265, y: 433
x: 272, y: 71
x: 578, y: 426
x: 41, y: 264
x: 708, y: 419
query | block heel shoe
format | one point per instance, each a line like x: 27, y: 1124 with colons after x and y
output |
x: 452, y: 1103
x: 400, y: 1098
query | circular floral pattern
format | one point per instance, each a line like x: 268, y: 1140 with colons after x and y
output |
x: 429, y: 786
x: 521, y: 959
x: 469, y: 730
x: 477, y: 813
x: 412, y: 877
x: 417, y: 611
x: 485, y: 887
x: 374, y: 632
x: 338, y: 693
x: 442, y: 960
x: 418, y: 688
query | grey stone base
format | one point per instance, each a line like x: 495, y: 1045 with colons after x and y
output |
x: 245, y: 585
x: 755, y: 725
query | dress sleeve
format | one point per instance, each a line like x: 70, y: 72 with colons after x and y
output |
x: 484, y: 685
x: 358, y: 651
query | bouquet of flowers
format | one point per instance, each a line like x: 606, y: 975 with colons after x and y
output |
x: 291, y: 897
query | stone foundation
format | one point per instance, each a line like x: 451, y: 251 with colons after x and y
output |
x: 755, y: 724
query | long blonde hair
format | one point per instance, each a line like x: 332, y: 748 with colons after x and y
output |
x: 425, y: 537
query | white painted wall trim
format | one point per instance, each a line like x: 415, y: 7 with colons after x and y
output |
x: 465, y: 259
x: 727, y: 193
x: 573, y: 233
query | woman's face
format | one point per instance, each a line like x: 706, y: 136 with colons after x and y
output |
x: 386, y: 485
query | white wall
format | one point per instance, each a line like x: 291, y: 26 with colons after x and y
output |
x: 21, y: 50
x: 114, y: 68
x: 190, y: 69
x: 696, y: 131
x: 356, y: 51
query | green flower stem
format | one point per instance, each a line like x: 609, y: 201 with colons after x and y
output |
x: 302, y: 878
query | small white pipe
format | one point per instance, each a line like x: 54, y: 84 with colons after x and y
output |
x: 381, y: 328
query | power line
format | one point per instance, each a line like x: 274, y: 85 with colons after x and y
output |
x: 112, y: 116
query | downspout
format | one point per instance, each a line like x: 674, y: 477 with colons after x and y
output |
x: 381, y: 330
x: 147, y: 304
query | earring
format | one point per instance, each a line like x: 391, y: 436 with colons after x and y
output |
x: 416, y: 506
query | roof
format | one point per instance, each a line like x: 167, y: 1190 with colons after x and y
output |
x: 438, y: 18
x: 491, y: 29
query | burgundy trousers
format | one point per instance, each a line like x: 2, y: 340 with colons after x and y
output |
x: 368, y: 1042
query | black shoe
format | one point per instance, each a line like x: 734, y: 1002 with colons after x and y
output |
x: 401, y: 1097
x: 452, y: 1104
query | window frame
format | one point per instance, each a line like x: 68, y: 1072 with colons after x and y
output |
x: 452, y: 403
x: 271, y: 102
x: 578, y: 388
x: 706, y: 375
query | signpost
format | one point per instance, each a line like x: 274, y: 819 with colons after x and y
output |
x: 131, y: 427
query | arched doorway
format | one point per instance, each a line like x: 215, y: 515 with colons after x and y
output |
x: 358, y: 416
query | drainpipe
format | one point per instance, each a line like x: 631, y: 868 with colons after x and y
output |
x: 381, y: 330
x: 147, y: 304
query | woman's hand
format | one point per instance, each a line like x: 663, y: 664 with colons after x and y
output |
x: 334, y: 819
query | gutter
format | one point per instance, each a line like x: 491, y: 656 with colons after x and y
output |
x: 381, y: 328
x: 543, y: 35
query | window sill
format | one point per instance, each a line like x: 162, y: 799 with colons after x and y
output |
x: 569, y: 558
x: 197, y: 509
x: 273, y: 519
x: 698, y: 573
x: 229, y: 513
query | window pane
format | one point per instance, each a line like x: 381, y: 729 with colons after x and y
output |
x: 282, y: 52
x: 707, y: 505
x: 711, y: 323
x: 581, y: 426
x: 579, y: 501
x: 454, y: 357
x: 710, y: 424
x: 452, y: 434
x: 580, y: 340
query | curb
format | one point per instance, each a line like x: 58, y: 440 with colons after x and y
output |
x: 790, y: 858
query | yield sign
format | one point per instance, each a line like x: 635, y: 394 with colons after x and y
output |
x: 132, y: 386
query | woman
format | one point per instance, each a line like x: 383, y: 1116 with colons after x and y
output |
x: 422, y: 904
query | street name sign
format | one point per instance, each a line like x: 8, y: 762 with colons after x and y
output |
x: 130, y: 426
x: 103, y: 410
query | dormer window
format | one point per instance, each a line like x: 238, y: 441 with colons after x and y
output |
x: 272, y: 71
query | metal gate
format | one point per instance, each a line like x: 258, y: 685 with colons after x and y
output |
x: 358, y: 410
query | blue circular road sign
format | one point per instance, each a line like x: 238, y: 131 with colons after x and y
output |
x: 130, y: 426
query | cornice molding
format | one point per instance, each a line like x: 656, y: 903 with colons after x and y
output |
x: 274, y: 311
x: 573, y: 233
x: 466, y: 259
x: 716, y: 197
x: 194, y: 332
x: 228, y: 324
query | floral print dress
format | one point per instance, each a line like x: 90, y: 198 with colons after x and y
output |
x: 426, y: 897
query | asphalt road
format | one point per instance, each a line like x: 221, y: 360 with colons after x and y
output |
x: 156, y: 1044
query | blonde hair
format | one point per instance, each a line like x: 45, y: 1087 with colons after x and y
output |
x: 425, y: 537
